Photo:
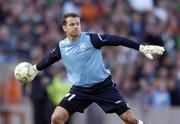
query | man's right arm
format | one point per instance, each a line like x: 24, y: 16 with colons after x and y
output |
x: 49, y: 59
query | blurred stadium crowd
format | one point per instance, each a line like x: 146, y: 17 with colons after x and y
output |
x: 30, y: 28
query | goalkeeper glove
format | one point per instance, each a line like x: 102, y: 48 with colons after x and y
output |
x: 149, y: 50
x: 35, y: 70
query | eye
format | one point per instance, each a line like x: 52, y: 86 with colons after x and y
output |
x: 71, y: 24
x: 77, y: 23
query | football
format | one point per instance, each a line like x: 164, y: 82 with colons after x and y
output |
x: 24, y: 72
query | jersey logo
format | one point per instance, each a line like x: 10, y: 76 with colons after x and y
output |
x: 82, y: 47
x: 99, y: 36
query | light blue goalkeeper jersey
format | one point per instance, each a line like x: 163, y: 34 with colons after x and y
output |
x: 83, y: 58
x: 83, y: 62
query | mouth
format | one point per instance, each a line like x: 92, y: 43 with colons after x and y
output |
x: 74, y: 31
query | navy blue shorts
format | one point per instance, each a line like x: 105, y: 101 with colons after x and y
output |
x: 104, y: 94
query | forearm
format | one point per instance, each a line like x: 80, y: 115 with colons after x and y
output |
x: 49, y: 59
x: 123, y: 41
x: 46, y: 62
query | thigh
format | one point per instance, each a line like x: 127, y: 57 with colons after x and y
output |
x: 110, y: 100
x: 75, y: 101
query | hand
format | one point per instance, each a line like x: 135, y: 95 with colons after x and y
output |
x: 149, y: 50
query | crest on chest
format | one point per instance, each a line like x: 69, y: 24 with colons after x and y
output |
x: 82, y: 47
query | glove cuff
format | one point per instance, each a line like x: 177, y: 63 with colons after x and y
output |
x: 141, y: 48
x: 34, y: 66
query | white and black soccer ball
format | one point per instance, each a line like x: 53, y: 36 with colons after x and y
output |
x: 24, y: 72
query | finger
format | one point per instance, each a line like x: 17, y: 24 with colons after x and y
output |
x: 158, y: 48
x: 157, y: 52
x: 148, y: 55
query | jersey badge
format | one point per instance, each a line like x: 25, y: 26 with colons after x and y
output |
x: 82, y: 47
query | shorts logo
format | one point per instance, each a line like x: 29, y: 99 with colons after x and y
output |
x: 82, y: 47
x: 119, y: 101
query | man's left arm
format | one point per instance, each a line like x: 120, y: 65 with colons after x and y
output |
x: 100, y: 40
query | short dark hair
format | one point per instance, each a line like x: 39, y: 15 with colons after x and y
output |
x: 71, y: 14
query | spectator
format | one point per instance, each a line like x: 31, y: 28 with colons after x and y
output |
x: 160, y: 96
x: 42, y: 105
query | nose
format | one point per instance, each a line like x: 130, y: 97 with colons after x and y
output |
x: 75, y: 26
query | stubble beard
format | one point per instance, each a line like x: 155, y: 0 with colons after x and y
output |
x: 75, y: 34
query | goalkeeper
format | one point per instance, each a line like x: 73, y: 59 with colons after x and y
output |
x: 81, y: 55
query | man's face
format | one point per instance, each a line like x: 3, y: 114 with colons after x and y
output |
x: 72, y: 27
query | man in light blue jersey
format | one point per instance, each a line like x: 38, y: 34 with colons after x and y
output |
x: 81, y: 55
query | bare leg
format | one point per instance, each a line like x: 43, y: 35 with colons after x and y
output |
x: 59, y: 116
x: 129, y: 118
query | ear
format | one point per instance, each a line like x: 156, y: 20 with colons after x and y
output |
x: 64, y: 28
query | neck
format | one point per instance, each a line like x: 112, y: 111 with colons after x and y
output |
x: 72, y: 39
